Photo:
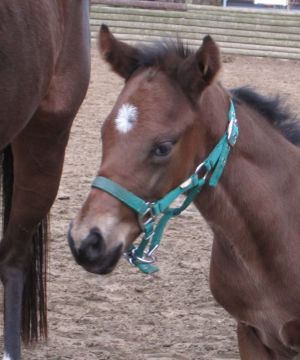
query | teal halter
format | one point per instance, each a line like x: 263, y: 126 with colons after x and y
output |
x: 153, y: 217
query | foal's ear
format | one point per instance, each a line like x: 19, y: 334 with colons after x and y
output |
x: 121, y: 57
x: 200, y: 70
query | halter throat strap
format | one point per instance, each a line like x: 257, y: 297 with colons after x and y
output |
x: 153, y: 217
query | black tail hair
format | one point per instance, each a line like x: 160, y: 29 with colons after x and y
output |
x: 7, y: 185
x: 34, y: 302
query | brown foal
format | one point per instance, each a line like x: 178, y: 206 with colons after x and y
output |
x: 167, y: 119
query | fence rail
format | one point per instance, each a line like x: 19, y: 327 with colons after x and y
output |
x: 142, y: 4
x: 237, y: 31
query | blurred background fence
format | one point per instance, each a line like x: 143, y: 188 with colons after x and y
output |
x: 238, y: 30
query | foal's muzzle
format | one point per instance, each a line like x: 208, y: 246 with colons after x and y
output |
x: 92, y: 254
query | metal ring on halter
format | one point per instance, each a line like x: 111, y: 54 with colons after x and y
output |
x: 150, y: 253
x: 128, y: 256
x: 148, y: 213
x: 147, y: 258
x: 200, y: 167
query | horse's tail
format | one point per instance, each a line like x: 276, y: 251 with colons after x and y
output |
x: 7, y: 180
x: 34, y: 311
x: 34, y: 302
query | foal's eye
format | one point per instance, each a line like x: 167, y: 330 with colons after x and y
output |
x: 163, y: 149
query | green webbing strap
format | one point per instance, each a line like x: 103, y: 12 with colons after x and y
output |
x: 162, y: 205
x: 134, y: 202
x: 217, y: 160
x: 145, y: 267
x: 218, y: 157
x: 168, y: 213
x: 148, y: 212
x: 172, y: 212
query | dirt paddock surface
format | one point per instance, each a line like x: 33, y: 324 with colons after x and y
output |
x: 127, y: 315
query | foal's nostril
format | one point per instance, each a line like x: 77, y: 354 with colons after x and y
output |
x: 92, y: 246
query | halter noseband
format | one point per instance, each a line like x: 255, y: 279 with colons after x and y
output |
x: 153, y: 217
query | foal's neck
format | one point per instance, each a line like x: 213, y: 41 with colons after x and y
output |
x: 256, y: 194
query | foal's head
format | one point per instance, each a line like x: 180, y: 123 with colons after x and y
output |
x: 152, y: 139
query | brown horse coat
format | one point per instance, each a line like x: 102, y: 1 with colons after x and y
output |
x: 170, y: 114
x: 44, y: 68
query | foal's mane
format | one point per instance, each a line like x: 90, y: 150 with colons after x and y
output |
x: 169, y: 54
x: 273, y: 109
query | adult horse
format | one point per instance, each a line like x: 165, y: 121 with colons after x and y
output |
x: 44, y: 67
x: 174, y: 129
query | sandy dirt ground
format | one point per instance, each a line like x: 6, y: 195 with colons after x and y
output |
x: 127, y: 315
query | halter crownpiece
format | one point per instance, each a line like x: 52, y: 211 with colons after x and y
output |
x: 153, y: 217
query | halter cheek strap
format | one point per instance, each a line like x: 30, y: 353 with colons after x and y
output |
x: 153, y: 217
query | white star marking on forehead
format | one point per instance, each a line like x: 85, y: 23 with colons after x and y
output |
x: 127, y: 117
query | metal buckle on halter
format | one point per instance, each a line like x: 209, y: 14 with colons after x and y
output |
x: 147, y: 217
x: 231, y: 135
x: 147, y: 258
x: 199, y: 168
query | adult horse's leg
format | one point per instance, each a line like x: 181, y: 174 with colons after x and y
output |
x: 38, y: 154
x: 250, y: 345
x: 34, y: 300
x: 38, y: 145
